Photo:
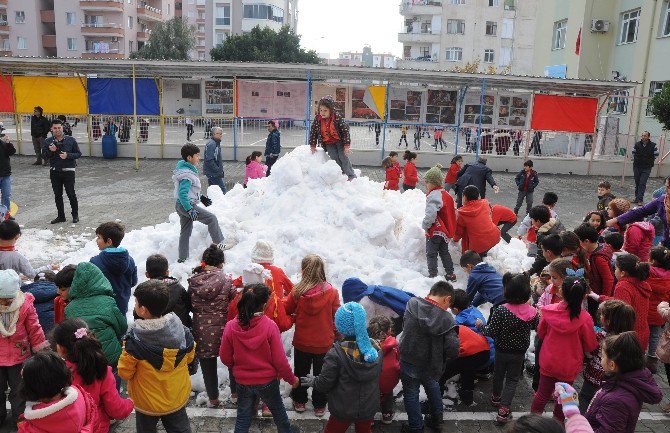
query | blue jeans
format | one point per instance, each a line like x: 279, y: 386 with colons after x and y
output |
x: 655, y: 332
x: 641, y: 175
x: 247, y: 396
x: 412, y: 377
x: 218, y: 181
x: 6, y: 190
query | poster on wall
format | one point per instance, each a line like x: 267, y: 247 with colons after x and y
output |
x: 513, y: 110
x: 219, y: 97
x: 182, y: 98
x: 255, y: 99
x: 338, y: 92
x: 289, y: 100
x: 405, y: 105
x: 360, y: 109
x: 472, y: 105
x: 441, y: 106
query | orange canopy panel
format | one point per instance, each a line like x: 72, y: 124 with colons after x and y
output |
x: 6, y: 96
x: 56, y: 95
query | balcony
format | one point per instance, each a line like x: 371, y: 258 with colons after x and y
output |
x: 5, y: 53
x: 200, y: 20
x: 149, y: 13
x: 112, y: 54
x: 101, y: 5
x: 49, y: 41
x: 4, y: 28
x: 102, y: 29
x: 428, y: 65
x: 407, y: 38
x: 48, y: 16
x: 421, y: 7
x: 143, y: 35
x: 3, y: 5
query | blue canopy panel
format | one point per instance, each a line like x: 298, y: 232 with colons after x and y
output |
x: 115, y: 96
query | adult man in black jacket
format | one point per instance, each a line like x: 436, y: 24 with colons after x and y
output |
x: 477, y: 174
x: 39, y: 128
x: 645, y: 153
x: 61, y: 151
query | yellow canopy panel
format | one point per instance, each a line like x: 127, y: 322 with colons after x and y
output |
x: 56, y: 95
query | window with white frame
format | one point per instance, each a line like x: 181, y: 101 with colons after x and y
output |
x: 560, y: 29
x: 655, y: 87
x: 630, y: 22
x: 222, y: 14
x: 454, y: 54
x: 21, y: 43
x: 131, y: 46
x: 70, y: 18
x: 619, y: 102
x: 264, y: 12
x: 130, y: 22
x: 505, y: 56
x: 491, y: 28
x: 425, y: 51
x: 219, y: 38
x: 72, y: 44
x: 456, y: 27
x: 5, y: 45
x: 457, y: 2
x: 507, y: 31
x: 666, y: 20
x: 489, y: 56
x: 20, y: 17
x: 494, y: 3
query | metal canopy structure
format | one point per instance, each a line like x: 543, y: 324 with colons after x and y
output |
x: 294, y: 71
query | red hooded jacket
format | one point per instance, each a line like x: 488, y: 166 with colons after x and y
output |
x: 444, y: 223
x: 601, y: 279
x: 314, y: 314
x: 502, y: 214
x: 659, y: 281
x: 393, y: 177
x: 639, y: 239
x: 635, y: 293
x: 475, y: 228
x: 451, y: 176
x: 411, y: 175
x: 391, y: 365
x: 76, y: 412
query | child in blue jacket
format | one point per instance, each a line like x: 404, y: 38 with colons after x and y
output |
x: 45, y: 291
x: 484, y: 283
x: 526, y: 181
x: 470, y: 317
x: 272, y: 145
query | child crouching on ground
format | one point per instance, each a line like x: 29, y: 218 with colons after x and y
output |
x: 379, y: 328
x: 350, y: 373
x: 439, y: 224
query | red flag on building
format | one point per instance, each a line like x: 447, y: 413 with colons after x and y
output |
x: 579, y: 42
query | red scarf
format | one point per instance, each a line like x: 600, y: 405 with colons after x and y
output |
x: 8, y: 248
x: 329, y: 134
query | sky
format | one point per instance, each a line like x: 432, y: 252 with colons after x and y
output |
x: 332, y: 26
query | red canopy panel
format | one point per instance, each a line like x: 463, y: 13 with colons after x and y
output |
x: 564, y: 113
x: 6, y: 95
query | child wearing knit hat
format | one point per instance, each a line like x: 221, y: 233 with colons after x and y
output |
x: 21, y: 336
x: 439, y: 224
x: 350, y: 373
x: 263, y: 254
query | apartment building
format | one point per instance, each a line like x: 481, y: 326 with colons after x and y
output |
x: 626, y: 40
x: 89, y: 29
x: 364, y: 58
x: 444, y: 34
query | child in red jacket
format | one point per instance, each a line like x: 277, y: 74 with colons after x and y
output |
x: 409, y: 172
x: 439, y: 224
x: 84, y: 357
x: 393, y: 171
x: 505, y: 217
x: 659, y: 281
x: 379, y: 329
x: 313, y: 304
x: 451, y: 177
x: 567, y: 333
x: 474, y: 225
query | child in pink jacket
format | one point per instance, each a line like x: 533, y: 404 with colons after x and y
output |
x: 252, y: 348
x: 254, y: 170
x: 20, y: 336
x: 84, y: 357
x: 567, y: 333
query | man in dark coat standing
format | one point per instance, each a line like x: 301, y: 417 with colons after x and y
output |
x: 39, y: 129
x: 477, y: 174
x: 6, y: 150
x: 645, y: 153
x: 62, y: 151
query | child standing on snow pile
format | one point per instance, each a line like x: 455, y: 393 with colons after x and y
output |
x: 157, y: 360
x: 313, y: 303
x: 254, y: 169
x: 439, y: 223
x: 210, y: 291
x: 187, y: 195
x: 409, y: 172
x: 379, y: 328
x: 21, y: 336
x: 350, y: 374
x: 180, y: 303
x: 474, y: 226
x: 115, y: 262
x: 330, y: 129
x: 393, y: 171
x: 484, y: 282
x: 526, y: 181
x: 10, y: 232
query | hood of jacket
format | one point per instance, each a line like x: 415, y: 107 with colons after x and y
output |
x: 352, y: 361
x: 484, y: 268
x: 639, y: 383
x: 43, y: 291
x: 642, y: 286
x: 558, y: 317
x: 185, y: 165
x: 74, y: 412
x: 430, y: 317
x: 474, y: 208
x: 116, y: 260
x: 152, y: 339
x: 654, y: 272
x: 253, y: 336
x: 89, y: 281
x: 314, y: 300
x: 389, y: 344
x: 553, y: 224
x: 646, y: 227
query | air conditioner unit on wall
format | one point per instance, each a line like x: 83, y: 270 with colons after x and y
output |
x: 115, y: 39
x: 600, y: 26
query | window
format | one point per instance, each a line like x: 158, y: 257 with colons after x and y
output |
x: 264, y: 12
x: 169, y: 6
x: 491, y: 28
x: 190, y: 14
x: 425, y: 51
x: 494, y: 3
x: 425, y: 27
x: 454, y: 54
x: 191, y: 2
x: 510, y: 5
x: 219, y: 38
x: 456, y: 27
x: 5, y: 45
x: 20, y: 17
x: 21, y: 43
x: 489, y: 56
x: 457, y: 2
x: 3, y: 20
x: 131, y: 45
x: 93, y: 20
x: 507, y: 31
x: 407, y: 52
x: 72, y: 44
x: 130, y: 22
x: 505, y: 56
x: 70, y: 18
x: 560, y: 29
x: 630, y: 21
x: 655, y: 87
x: 619, y: 102
x: 666, y: 20
x: 223, y: 14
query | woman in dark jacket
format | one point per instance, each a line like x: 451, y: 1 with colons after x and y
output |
x: 329, y: 129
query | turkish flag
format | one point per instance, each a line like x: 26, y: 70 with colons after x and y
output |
x: 579, y: 42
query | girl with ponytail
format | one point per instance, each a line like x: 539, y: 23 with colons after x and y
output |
x: 567, y: 333
x: 84, y: 357
x: 254, y: 169
x: 252, y: 348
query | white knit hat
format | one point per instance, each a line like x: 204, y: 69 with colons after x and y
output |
x: 9, y: 283
x: 262, y: 252
x: 254, y: 274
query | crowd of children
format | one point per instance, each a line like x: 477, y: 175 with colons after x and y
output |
x: 597, y: 308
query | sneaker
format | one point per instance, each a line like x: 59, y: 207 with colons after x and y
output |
x: 451, y: 277
x: 299, y: 407
x: 387, y: 418
x: 504, y: 416
x: 319, y: 412
x: 213, y: 403
x: 75, y: 219
x: 495, y: 401
x: 58, y: 220
x: 265, y: 411
x: 225, y: 246
x: 182, y: 261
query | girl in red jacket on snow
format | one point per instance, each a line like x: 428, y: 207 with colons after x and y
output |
x: 393, y: 171
x: 379, y: 329
x: 313, y: 303
x: 84, y: 357
x: 633, y: 289
x: 567, y: 333
x: 450, y: 179
x: 659, y: 281
x: 409, y: 173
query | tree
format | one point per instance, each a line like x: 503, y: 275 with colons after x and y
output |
x: 169, y: 40
x: 264, y: 45
x: 660, y: 106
